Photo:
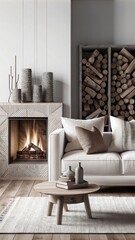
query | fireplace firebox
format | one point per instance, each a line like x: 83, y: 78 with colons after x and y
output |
x: 27, y: 139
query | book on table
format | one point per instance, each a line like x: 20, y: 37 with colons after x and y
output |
x: 71, y: 185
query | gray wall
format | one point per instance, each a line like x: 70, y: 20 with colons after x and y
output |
x: 98, y: 22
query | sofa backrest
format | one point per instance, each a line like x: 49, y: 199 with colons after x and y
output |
x: 107, y: 138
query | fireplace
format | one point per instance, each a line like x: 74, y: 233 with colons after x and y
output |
x: 27, y: 139
x: 11, y: 167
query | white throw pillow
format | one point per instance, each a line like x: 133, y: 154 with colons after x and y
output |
x: 123, y: 138
x: 69, y: 127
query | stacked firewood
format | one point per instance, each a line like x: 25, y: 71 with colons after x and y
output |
x: 94, y: 84
x: 123, y: 84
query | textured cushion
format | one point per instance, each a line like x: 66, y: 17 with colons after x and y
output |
x: 128, y: 162
x: 99, y: 163
x: 123, y: 138
x: 91, y: 141
x: 69, y: 127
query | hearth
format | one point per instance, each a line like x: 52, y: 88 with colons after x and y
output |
x: 27, y: 139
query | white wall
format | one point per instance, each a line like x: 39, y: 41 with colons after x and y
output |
x: 38, y: 33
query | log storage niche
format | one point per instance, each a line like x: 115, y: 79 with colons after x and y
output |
x: 123, y: 82
x: 93, y: 81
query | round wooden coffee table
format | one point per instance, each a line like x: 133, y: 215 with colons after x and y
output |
x: 62, y: 197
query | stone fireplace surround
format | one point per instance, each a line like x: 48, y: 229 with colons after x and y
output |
x: 52, y: 111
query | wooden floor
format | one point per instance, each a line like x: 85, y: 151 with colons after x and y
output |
x: 23, y: 188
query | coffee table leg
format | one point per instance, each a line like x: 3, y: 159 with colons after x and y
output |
x: 49, y: 209
x: 60, y: 203
x: 87, y: 206
x: 65, y: 207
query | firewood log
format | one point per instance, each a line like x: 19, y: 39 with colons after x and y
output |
x: 95, y: 113
x: 90, y: 91
x: 132, y: 112
x: 101, y: 103
x: 128, y: 76
x: 113, y: 83
x: 117, y: 98
x: 124, y: 52
x: 104, y: 66
x: 84, y: 61
x: 104, y: 97
x: 119, y: 90
x: 124, y: 59
x: 104, y: 112
x: 100, y: 75
x: 130, y: 118
x: 114, y: 77
x: 113, y: 108
x: 133, y: 74
x: 104, y: 61
x: 113, y: 66
x: 123, y: 80
x: 114, y: 59
x: 126, y: 100
x: 124, y: 66
x: 103, y: 85
x: 131, y: 67
x: 131, y: 101
x: 105, y: 72
x: 114, y: 71
x: 119, y: 63
x: 121, y: 102
x: 130, y: 107
x: 84, y: 100
x: 115, y: 54
x: 129, y: 83
x: 119, y: 68
x: 115, y: 113
x: 131, y: 94
x: 94, y: 78
x: 87, y: 97
x: 124, y: 86
x: 86, y: 107
x: 113, y: 89
x: 102, y: 90
x: 104, y: 78
x: 119, y: 57
x: 90, y: 101
x: 126, y: 114
x: 99, y: 96
x: 92, y: 84
x: 123, y: 107
x: 91, y: 59
x: 127, y: 91
x: 118, y: 84
x: 100, y: 57
x: 117, y: 107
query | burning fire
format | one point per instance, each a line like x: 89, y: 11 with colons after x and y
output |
x: 35, y: 139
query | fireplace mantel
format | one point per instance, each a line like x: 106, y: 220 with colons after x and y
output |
x: 52, y: 111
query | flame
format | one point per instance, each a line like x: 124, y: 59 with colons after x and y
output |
x: 34, y: 139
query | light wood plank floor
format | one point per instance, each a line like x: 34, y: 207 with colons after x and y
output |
x: 23, y: 188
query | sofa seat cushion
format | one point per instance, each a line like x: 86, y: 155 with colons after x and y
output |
x: 128, y: 162
x: 99, y: 163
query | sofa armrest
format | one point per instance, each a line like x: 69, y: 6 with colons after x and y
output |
x: 55, y: 153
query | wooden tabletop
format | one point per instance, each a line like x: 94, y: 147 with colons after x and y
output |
x: 50, y: 188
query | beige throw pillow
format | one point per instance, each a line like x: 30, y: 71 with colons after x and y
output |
x: 69, y: 127
x: 123, y: 138
x: 91, y: 141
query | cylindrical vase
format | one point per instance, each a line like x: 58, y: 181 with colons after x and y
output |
x: 37, y: 93
x: 26, y: 85
x: 47, y: 87
x: 16, y: 95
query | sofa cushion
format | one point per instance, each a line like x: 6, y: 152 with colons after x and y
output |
x: 99, y: 163
x: 91, y: 141
x: 128, y: 162
x: 123, y: 138
x: 69, y: 127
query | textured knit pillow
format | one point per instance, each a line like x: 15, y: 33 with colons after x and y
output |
x: 91, y: 141
x: 69, y: 127
x: 123, y: 138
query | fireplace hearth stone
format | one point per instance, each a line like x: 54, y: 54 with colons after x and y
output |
x: 51, y: 111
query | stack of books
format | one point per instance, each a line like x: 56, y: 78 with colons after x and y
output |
x: 66, y: 183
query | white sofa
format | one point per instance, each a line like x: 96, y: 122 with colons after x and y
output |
x: 109, y: 168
